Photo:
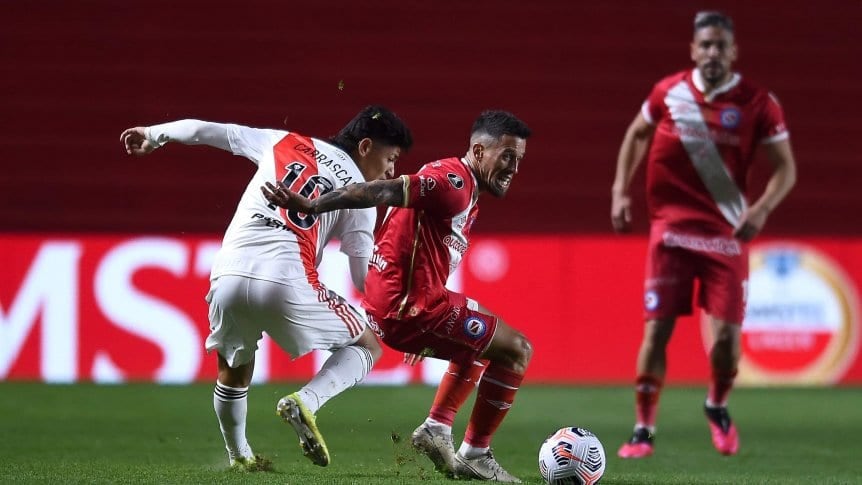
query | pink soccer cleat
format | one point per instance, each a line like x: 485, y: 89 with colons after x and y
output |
x: 724, y: 435
x: 640, y: 445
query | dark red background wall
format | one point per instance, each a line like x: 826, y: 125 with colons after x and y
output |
x: 75, y: 74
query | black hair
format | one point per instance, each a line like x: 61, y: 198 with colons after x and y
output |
x: 711, y: 18
x: 375, y: 122
x: 498, y: 123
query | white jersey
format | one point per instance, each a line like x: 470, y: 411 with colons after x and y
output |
x: 270, y: 243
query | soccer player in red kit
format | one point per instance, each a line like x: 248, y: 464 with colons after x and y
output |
x: 420, y: 243
x: 701, y: 128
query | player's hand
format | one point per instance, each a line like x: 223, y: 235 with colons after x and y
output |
x: 750, y: 224
x: 621, y: 212
x: 135, y: 141
x: 283, y: 197
x: 413, y: 359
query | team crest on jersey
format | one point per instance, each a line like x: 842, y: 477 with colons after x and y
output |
x: 651, y: 300
x: 730, y: 117
x: 455, y: 180
x: 475, y: 327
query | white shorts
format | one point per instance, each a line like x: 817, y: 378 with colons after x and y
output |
x: 297, y: 317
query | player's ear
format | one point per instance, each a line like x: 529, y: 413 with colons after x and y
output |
x: 478, y: 150
x: 364, y: 146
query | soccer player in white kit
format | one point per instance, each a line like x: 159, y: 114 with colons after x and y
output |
x: 264, y: 277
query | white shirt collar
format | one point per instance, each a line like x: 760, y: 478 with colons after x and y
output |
x: 700, y: 84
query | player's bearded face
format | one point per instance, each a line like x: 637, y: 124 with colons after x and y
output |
x: 499, y: 163
x: 713, y: 51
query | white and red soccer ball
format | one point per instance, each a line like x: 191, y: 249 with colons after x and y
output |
x: 572, y: 456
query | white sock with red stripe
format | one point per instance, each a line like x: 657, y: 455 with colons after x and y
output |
x: 341, y: 371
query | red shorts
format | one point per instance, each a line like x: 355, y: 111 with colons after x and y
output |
x: 675, y: 259
x: 458, y: 331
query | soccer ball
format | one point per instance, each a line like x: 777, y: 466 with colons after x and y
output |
x: 572, y: 456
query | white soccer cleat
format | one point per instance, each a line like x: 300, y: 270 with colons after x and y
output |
x: 483, y: 467
x: 293, y: 412
x: 437, y: 446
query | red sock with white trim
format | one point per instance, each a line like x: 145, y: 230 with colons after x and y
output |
x: 647, y: 391
x: 496, y: 395
x: 455, y: 387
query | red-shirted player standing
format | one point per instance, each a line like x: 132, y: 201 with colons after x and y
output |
x: 420, y: 243
x: 704, y: 126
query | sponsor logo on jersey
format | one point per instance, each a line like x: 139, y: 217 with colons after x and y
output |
x: 453, y: 317
x: 705, y: 134
x: 475, y: 327
x: 377, y: 262
x: 455, y: 180
x: 801, y: 325
x: 270, y: 221
x: 730, y: 118
x: 459, y: 223
x: 650, y: 300
x: 720, y: 245
x: 426, y: 184
x: 455, y: 244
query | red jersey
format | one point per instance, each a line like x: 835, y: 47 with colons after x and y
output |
x: 703, y: 147
x: 420, y: 244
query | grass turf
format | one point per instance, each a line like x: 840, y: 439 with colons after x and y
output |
x: 143, y: 433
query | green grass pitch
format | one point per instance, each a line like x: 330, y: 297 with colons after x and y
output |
x: 143, y: 433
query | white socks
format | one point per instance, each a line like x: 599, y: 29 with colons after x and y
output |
x: 468, y: 451
x: 341, y: 371
x: 231, y: 407
x: 437, y: 425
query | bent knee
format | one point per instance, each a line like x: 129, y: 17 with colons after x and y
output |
x: 525, y: 349
x: 520, y: 352
x: 369, y: 341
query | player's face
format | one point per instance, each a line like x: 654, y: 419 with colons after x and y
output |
x: 376, y: 160
x: 498, y: 162
x: 713, y: 51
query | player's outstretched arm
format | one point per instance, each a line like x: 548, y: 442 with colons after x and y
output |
x: 142, y: 140
x: 355, y: 196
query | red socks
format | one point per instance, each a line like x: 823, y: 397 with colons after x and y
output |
x: 647, y: 390
x: 496, y: 394
x: 457, y: 384
x: 719, y: 387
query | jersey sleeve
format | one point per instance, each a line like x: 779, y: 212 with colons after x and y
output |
x: 357, y: 232
x: 252, y: 143
x: 653, y: 108
x: 771, y: 126
x: 440, y: 190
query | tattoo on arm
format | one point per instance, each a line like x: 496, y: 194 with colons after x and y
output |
x: 357, y: 196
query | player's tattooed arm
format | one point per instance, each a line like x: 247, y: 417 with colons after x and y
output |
x: 355, y: 196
